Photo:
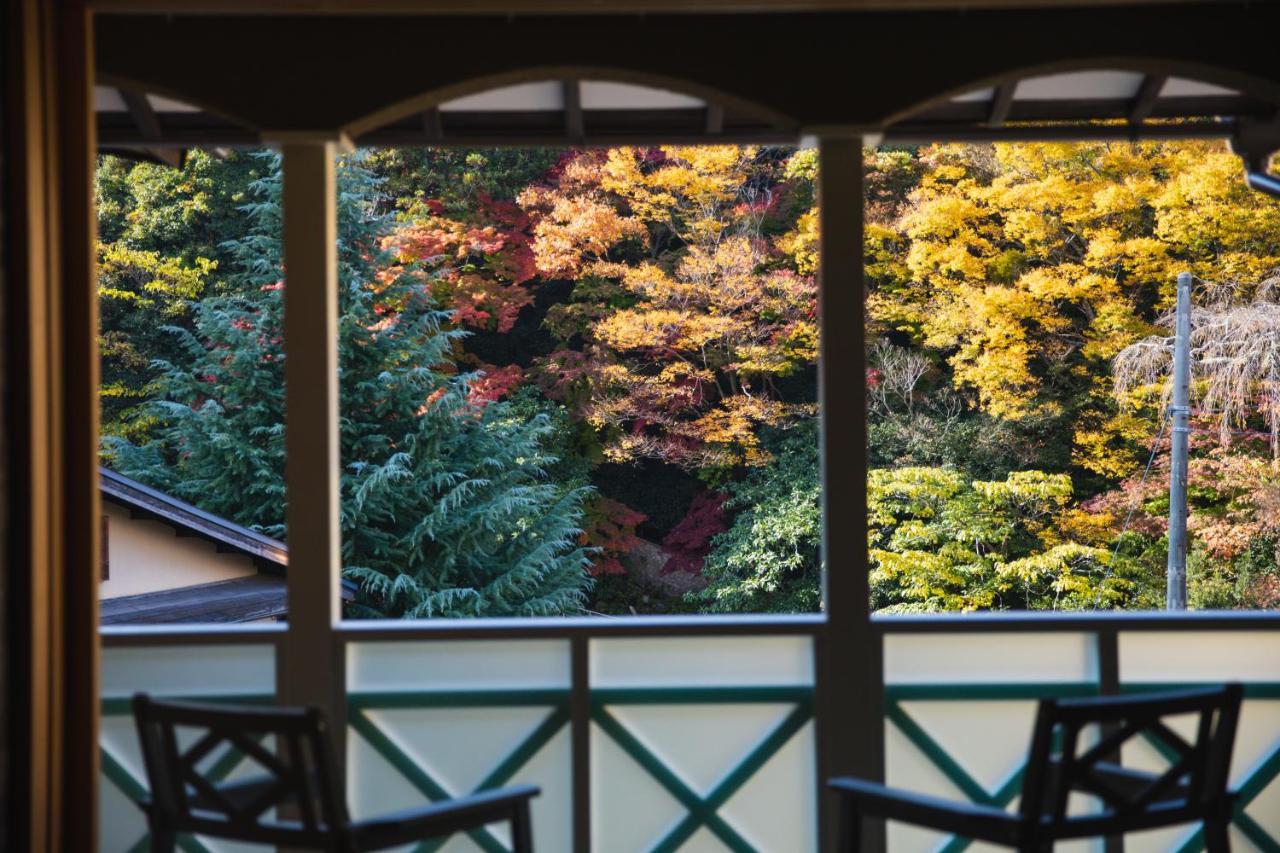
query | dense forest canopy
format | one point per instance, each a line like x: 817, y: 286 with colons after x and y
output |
x: 585, y: 380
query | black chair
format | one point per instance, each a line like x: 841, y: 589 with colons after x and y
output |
x: 301, y: 777
x: 1193, y: 789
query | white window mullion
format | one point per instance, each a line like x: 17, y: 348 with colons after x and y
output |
x: 310, y: 669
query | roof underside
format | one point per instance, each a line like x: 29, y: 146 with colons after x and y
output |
x: 1096, y: 103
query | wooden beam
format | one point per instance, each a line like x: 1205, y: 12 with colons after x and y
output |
x: 1001, y: 103
x: 144, y: 116
x: 1145, y: 100
x: 913, y: 134
x: 715, y: 119
x: 848, y: 670
x: 142, y: 113
x: 516, y: 7
x: 432, y: 126
x: 311, y: 669
x: 574, y: 126
x: 383, y: 81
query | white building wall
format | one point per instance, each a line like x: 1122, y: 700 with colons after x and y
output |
x: 148, y: 556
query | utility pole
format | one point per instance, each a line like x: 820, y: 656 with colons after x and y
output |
x: 1180, y: 414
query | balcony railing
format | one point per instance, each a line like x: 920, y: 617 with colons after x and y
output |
x: 697, y: 734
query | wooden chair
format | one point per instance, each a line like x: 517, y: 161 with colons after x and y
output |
x: 300, y: 774
x: 1193, y: 789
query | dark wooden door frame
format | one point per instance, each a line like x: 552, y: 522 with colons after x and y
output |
x: 50, y: 428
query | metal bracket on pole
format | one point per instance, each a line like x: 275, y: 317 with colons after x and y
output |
x: 1255, y: 141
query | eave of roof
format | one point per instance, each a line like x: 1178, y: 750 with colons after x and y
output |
x: 147, y: 502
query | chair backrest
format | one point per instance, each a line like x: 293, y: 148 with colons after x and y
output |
x: 1195, y: 784
x: 189, y: 795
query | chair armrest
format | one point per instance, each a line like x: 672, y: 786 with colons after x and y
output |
x: 440, y: 819
x: 871, y: 799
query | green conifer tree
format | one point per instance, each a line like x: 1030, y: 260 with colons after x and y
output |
x: 447, y: 508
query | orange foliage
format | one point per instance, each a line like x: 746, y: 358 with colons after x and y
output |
x: 689, y: 312
x: 477, y: 269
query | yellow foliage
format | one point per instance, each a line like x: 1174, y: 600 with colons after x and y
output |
x: 1033, y: 263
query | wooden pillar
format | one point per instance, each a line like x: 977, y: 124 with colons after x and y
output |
x: 848, y: 665
x: 310, y: 670
x: 50, y: 428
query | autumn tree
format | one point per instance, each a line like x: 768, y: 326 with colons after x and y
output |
x: 163, y: 236
x: 940, y: 541
x: 1235, y: 359
x: 688, y: 316
x: 769, y: 559
x: 1031, y: 265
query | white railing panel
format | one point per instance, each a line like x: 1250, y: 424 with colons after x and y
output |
x: 986, y: 738
x: 404, y: 665
x: 1004, y: 657
x: 724, y: 720
x: 774, y: 810
x: 437, y: 719
x: 1212, y: 656
x: 702, y: 662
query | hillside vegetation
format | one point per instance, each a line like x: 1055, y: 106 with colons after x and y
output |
x: 585, y: 381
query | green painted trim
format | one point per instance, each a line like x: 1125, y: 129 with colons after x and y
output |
x: 1262, y: 776
x: 1193, y: 843
x: 416, y: 776
x: 978, y: 691
x: 1255, y: 833
x: 387, y: 700
x: 1252, y: 690
x: 528, y: 748
x: 191, y: 844
x: 512, y: 764
x: 132, y: 788
x: 739, y: 775
x: 1009, y: 789
x: 116, y: 773
x: 1166, y: 752
x: 700, y: 695
x: 938, y: 756
x: 698, y: 809
x: 702, y: 811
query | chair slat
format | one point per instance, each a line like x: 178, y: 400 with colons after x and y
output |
x: 1192, y: 788
x: 302, y: 773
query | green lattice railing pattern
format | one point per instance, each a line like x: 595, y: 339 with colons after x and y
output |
x: 1259, y: 777
x: 701, y: 810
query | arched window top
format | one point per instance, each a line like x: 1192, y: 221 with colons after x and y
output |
x: 551, y: 111
x: 1101, y: 102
